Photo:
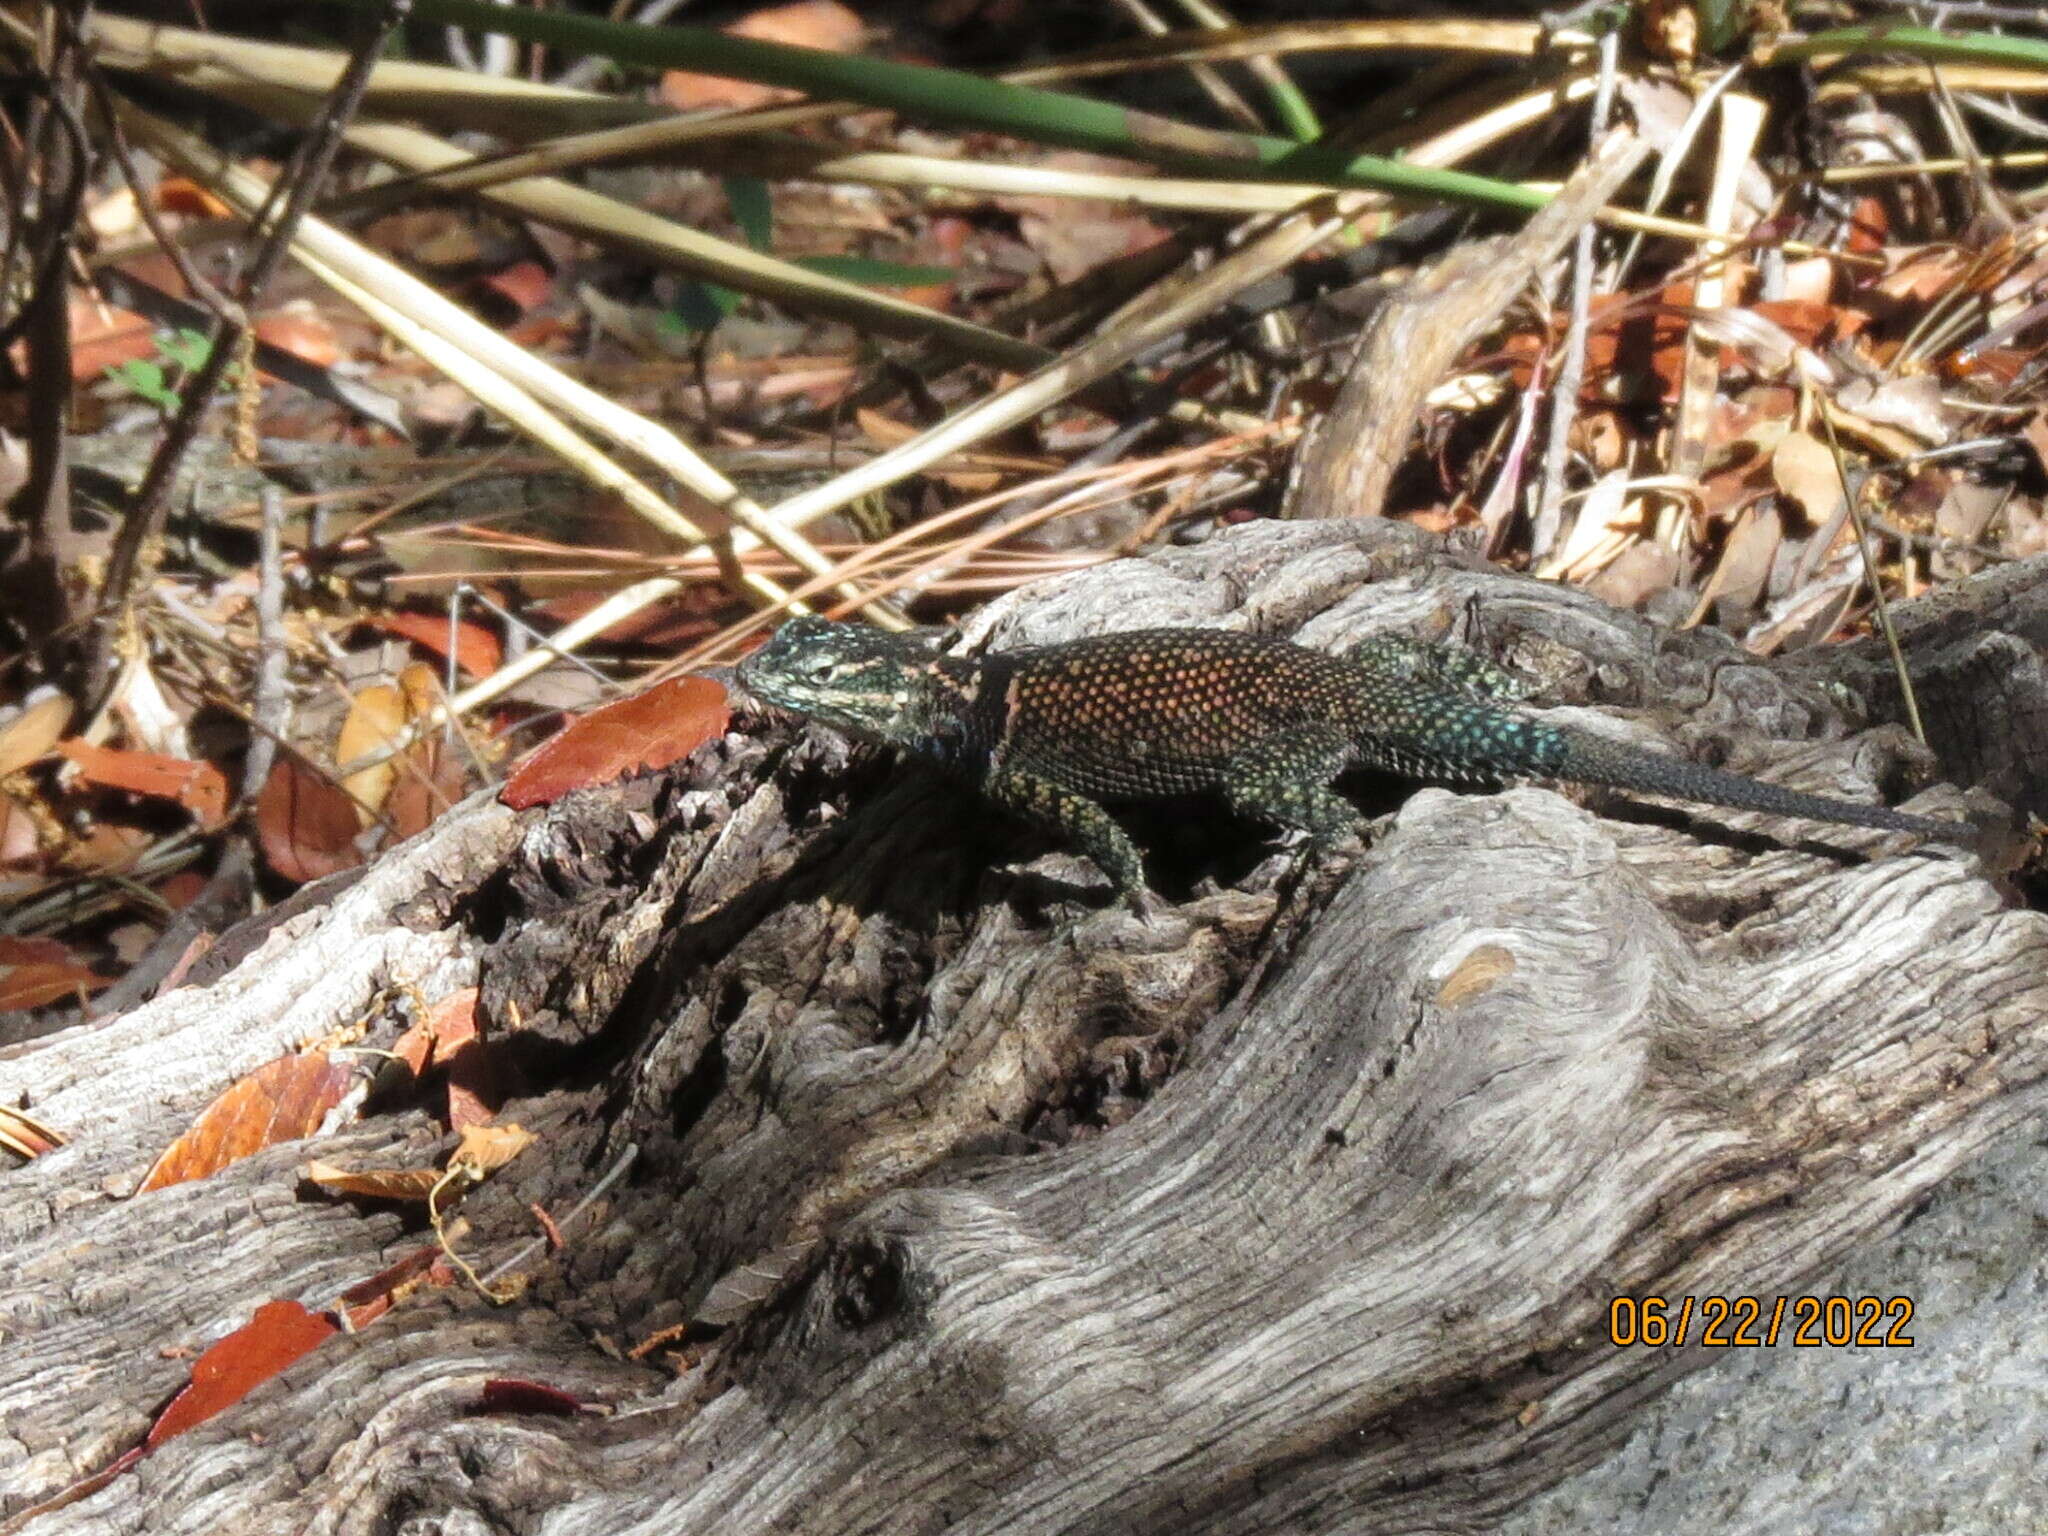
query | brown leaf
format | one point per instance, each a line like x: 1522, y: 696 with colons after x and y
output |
x: 1741, y: 575
x: 306, y: 823
x: 883, y: 431
x: 431, y: 778
x: 19, y: 843
x: 456, y: 1024
x: 103, y: 337
x: 451, y: 1037
x: 181, y: 194
x: 1077, y: 235
x: 650, y: 730
x: 281, y: 1100
x: 18, y: 949
x: 279, y: 1335
x: 740, y: 1290
x: 474, y: 1091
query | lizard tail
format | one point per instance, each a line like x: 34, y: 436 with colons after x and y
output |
x: 1590, y: 760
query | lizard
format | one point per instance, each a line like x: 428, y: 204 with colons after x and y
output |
x: 1051, y: 732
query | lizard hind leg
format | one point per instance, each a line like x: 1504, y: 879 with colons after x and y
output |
x: 1439, y: 664
x: 1285, y: 777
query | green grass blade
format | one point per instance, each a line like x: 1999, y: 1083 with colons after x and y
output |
x: 1919, y: 43
x: 966, y: 100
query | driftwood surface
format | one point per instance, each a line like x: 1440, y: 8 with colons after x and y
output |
x: 1298, y: 1207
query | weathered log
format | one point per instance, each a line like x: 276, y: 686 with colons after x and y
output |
x: 1298, y: 1208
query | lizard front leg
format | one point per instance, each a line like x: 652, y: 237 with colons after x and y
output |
x: 1081, y: 820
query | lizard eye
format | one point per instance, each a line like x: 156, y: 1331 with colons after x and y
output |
x: 822, y: 669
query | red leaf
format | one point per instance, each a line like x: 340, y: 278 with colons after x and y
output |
x: 522, y: 285
x: 477, y: 650
x: 42, y: 981
x: 281, y: 1100
x: 450, y: 1023
x: 104, y: 337
x: 279, y: 1335
x: 806, y: 23
x: 509, y: 1394
x: 368, y: 1300
x: 650, y: 730
x: 181, y: 194
x: 475, y: 1094
x: 21, y: 950
x: 307, y: 824
x: 198, y: 786
x: 299, y: 328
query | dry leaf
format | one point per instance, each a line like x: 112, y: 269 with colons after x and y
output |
x: 298, y: 327
x: 1911, y: 403
x: 740, y: 1290
x: 406, y: 1184
x: 1608, y: 521
x: 477, y: 649
x: 306, y: 823
x: 649, y: 730
x: 807, y: 24
x: 280, y: 1334
x: 368, y: 1300
x: 37, y: 983
x: 431, y: 778
x: 31, y: 734
x: 433, y: 1041
x: 198, y: 786
x: 451, y: 1037
x: 377, y: 717
x: 282, y: 1100
x: 1740, y: 575
x: 105, y: 336
x: 487, y: 1148
x: 1804, y: 470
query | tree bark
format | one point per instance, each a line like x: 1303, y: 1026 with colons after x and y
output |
x: 1299, y: 1207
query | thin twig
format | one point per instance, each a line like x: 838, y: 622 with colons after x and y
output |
x: 1882, y: 608
x: 271, y: 699
x: 196, y: 282
x: 1571, y: 372
x: 526, y: 1251
x: 43, y: 503
x: 57, y: 251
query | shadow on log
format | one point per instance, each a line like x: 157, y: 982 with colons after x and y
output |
x: 1298, y: 1208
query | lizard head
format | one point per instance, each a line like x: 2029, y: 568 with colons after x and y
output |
x: 847, y: 676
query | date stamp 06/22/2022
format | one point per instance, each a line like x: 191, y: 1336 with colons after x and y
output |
x: 1757, y: 1322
